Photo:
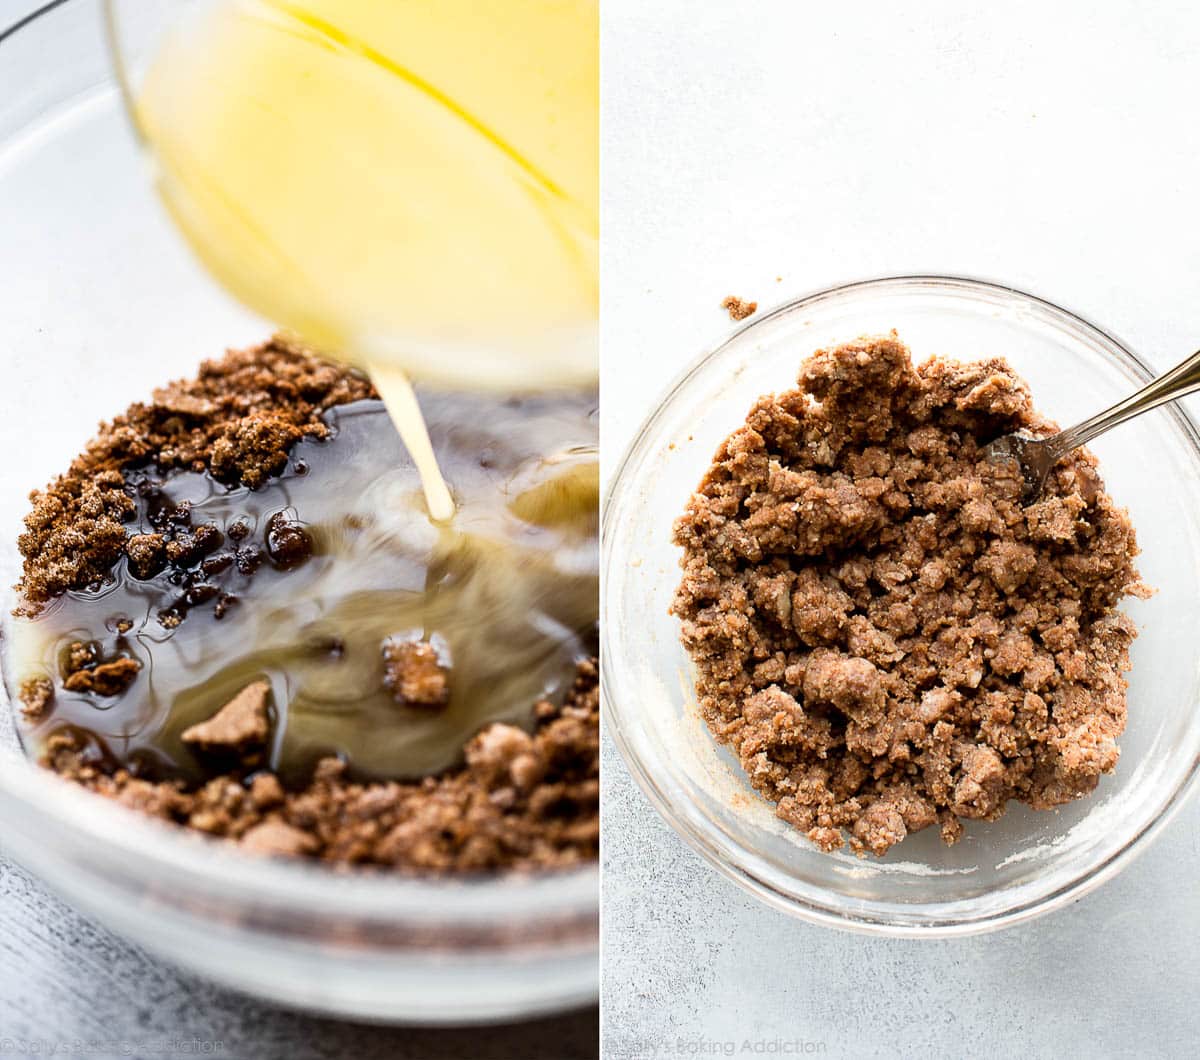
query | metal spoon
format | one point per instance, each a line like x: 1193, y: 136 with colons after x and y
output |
x: 1038, y: 456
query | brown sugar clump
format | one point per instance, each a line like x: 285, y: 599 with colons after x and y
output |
x: 288, y: 543
x: 87, y: 671
x: 36, y: 695
x: 883, y: 634
x: 242, y: 723
x: 739, y: 308
x: 523, y: 800
x: 105, y: 679
x: 147, y: 554
x: 252, y: 449
x: 415, y: 673
x: 237, y: 420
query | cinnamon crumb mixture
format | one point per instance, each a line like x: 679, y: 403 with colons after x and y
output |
x: 882, y: 633
x: 521, y: 800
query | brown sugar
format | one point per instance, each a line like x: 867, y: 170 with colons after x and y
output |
x: 882, y: 633
x: 415, y: 674
x: 236, y: 419
x: 242, y: 723
x: 87, y: 671
x: 36, y: 695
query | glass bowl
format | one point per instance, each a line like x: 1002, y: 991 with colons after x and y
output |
x: 102, y: 303
x: 998, y: 874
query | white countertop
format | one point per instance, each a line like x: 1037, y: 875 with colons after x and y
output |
x: 1049, y: 146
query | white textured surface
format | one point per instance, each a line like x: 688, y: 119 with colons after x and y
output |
x: 1036, y: 144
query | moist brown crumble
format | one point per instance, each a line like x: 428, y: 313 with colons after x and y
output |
x: 882, y: 633
x: 521, y: 800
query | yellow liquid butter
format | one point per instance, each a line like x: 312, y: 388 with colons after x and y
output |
x: 411, y: 185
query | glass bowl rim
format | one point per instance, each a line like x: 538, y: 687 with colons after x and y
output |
x: 214, y: 866
x: 730, y: 857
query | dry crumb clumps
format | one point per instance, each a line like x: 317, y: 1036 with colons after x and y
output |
x: 522, y: 800
x: 237, y: 420
x: 882, y: 633
x: 739, y: 308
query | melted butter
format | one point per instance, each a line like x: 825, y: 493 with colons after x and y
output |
x: 401, y: 403
x: 508, y: 585
x: 412, y: 185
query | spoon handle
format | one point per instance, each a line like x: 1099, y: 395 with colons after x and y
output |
x: 1183, y: 379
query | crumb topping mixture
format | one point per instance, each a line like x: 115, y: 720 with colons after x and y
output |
x: 881, y: 632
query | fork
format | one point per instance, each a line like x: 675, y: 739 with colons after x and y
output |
x: 1037, y: 457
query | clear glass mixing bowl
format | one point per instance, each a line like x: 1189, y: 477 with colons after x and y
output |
x: 101, y: 303
x: 1000, y: 873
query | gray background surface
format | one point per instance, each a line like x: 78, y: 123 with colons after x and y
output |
x: 1046, y: 145
x: 68, y: 984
